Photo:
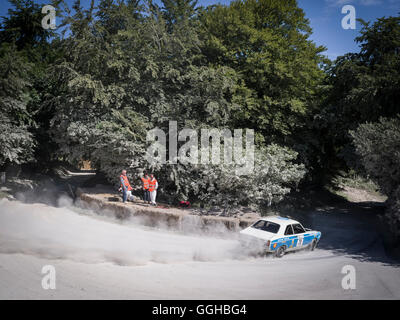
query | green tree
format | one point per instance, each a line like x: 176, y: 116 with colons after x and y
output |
x: 22, y: 33
x: 267, y: 43
x: 362, y: 87
x: 16, y: 142
x: 91, y: 85
x: 178, y: 11
x: 23, y: 25
x: 113, y: 84
x: 142, y: 67
x: 378, y: 146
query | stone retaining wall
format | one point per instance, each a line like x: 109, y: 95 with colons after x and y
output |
x: 153, y: 216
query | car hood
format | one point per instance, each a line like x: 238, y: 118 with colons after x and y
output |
x: 256, y: 233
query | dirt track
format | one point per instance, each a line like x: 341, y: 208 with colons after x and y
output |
x: 98, y: 258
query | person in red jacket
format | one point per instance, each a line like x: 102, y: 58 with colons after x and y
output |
x: 153, y: 186
x: 125, y: 187
x: 146, y: 193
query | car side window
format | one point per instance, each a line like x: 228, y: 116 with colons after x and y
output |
x: 297, y: 228
x: 288, y: 230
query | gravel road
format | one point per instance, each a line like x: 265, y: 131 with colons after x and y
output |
x: 99, y: 258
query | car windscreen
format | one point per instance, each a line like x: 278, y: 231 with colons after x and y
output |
x: 266, y: 226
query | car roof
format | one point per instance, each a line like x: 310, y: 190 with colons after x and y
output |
x: 280, y: 220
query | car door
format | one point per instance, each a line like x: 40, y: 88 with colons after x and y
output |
x: 299, y: 231
x: 290, y: 238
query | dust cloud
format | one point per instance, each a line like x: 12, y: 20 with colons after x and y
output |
x: 73, y: 233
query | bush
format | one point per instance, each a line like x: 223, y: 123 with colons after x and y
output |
x: 274, y: 175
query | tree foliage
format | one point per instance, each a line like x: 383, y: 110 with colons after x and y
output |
x: 112, y: 84
x: 360, y: 87
x: 267, y: 43
x: 16, y: 142
x: 378, y: 145
x: 23, y: 25
x: 274, y: 175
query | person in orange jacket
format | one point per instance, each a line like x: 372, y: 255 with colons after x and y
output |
x: 125, y: 187
x: 153, y: 186
x: 146, y: 192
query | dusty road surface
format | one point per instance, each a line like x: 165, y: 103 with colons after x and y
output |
x: 99, y: 258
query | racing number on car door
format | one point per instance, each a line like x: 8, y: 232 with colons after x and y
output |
x: 300, y: 241
x: 299, y: 231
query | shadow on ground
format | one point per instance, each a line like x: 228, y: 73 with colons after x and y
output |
x: 354, y: 229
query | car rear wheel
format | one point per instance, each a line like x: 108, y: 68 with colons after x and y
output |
x: 280, y: 252
x: 313, y: 245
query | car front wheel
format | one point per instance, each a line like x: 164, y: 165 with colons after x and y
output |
x: 280, y: 252
x: 313, y: 245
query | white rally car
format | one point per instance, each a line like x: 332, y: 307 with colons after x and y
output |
x: 278, y: 235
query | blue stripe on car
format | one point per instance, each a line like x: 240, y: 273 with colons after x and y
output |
x: 291, y: 242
